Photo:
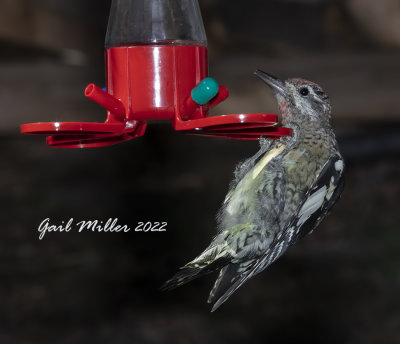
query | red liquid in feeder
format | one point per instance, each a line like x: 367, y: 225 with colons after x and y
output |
x: 154, y: 80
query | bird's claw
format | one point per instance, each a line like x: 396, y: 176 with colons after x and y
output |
x: 264, y: 141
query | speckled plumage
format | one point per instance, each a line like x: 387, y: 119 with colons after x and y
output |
x: 277, y: 196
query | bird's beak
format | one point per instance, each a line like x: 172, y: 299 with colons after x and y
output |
x: 276, y: 84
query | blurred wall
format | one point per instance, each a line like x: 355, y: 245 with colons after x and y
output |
x: 52, y: 24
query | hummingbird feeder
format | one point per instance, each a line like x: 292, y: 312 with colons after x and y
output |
x: 157, y: 68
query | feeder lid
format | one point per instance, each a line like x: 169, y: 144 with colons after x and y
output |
x: 134, y: 22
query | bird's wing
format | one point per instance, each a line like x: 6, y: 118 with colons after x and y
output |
x: 318, y: 201
x: 320, y: 198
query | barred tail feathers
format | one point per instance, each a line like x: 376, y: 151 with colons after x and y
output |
x: 210, y: 260
x: 184, y: 276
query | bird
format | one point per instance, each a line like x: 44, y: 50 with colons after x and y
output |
x: 277, y: 196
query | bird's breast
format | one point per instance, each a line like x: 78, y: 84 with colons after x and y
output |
x: 241, y: 198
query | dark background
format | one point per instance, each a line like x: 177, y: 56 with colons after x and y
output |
x: 339, y: 285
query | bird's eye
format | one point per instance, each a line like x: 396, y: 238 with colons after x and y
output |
x: 304, y: 91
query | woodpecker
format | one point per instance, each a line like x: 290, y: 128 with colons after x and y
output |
x: 277, y: 196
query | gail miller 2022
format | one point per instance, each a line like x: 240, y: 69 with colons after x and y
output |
x: 110, y: 226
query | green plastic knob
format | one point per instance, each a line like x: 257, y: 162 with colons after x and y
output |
x: 205, y: 91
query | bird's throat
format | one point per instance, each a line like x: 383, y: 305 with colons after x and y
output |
x: 286, y: 111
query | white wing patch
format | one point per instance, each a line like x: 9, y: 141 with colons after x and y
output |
x: 331, y: 189
x: 339, y: 166
x: 313, y: 203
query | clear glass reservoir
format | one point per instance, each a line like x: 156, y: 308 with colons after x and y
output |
x: 140, y: 22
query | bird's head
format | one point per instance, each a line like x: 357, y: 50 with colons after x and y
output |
x: 299, y: 100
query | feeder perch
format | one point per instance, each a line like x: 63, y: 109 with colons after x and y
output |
x: 157, y: 68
